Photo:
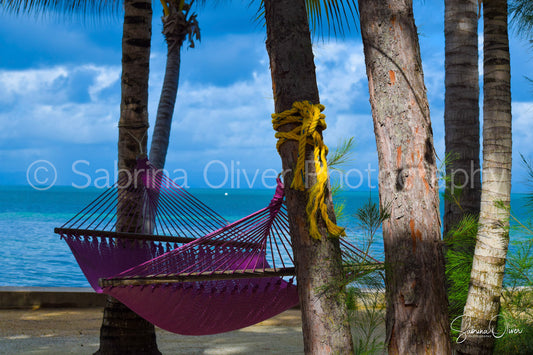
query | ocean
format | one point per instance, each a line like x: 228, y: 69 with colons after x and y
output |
x: 31, y: 254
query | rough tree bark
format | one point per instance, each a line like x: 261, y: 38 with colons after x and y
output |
x: 416, y: 319
x: 177, y: 25
x: 461, y: 110
x: 324, y: 318
x: 123, y: 331
x: 486, y: 279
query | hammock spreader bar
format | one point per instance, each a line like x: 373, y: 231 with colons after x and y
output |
x: 142, y: 237
x: 213, y: 276
x: 197, y: 276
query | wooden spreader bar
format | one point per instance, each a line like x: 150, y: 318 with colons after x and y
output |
x: 197, y: 276
x: 210, y: 276
x: 122, y: 235
x: 149, y: 237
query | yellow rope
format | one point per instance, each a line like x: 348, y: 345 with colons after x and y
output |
x: 308, y: 118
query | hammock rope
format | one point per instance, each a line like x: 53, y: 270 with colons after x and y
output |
x: 310, y: 123
x: 137, y: 219
x: 171, y: 272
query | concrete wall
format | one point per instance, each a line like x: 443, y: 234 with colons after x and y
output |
x: 49, y: 297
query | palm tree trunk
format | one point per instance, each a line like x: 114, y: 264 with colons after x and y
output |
x: 165, y: 110
x: 416, y: 319
x: 123, y: 331
x: 461, y: 124
x: 175, y: 30
x: 324, y: 318
x: 488, y: 267
x: 461, y: 111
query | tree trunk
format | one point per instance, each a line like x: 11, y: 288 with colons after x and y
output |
x: 175, y: 30
x: 318, y: 263
x: 165, y: 110
x: 416, y: 319
x: 461, y: 111
x: 488, y: 267
x: 123, y: 331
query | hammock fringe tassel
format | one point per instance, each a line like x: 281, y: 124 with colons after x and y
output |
x: 309, y: 117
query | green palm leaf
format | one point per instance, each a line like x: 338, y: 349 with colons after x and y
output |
x: 337, y: 14
x: 66, y: 7
x: 521, y: 13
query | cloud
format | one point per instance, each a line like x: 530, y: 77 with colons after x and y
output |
x: 223, y: 106
x: 60, y: 104
x: 522, y: 134
x: 341, y: 73
x: 232, y: 121
x: 17, y: 83
x: 235, y: 115
x: 104, y: 79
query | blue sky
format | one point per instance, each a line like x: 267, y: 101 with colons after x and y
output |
x: 60, y: 96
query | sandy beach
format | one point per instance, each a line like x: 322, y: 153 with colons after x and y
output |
x: 76, y: 331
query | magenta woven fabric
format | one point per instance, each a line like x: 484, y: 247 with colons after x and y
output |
x: 209, y: 307
x: 104, y: 257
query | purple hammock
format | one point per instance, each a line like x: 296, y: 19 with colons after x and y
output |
x: 178, y: 264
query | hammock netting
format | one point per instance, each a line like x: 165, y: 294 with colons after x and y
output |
x: 139, y: 218
x: 181, y: 266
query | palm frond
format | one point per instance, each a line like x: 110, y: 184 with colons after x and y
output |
x: 339, y: 16
x: 339, y: 207
x: 460, y: 243
x: 521, y: 14
x: 83, y: 8
x: 370, y: 217
x: 528, y: 165
x: 342, y: 154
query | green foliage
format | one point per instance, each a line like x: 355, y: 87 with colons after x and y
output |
x: 325, y: 16
x: 520, y: 265
x: 514, y: 334
x: 364, y: 282
x: 342, y: 154
x: 365, y: 287
x: 528, y: 165
x: 337, y: 13
x: 339, y: 208
x: 521, y: 14
x: 515, y: 324
x: 452, y: 191
x: 370, y: 218
x: 68, y: 8
x: 367, y: 317
x: 460, y: 244
x: 515, y: 320
x: 521, y: 19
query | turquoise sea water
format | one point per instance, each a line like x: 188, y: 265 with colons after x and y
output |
x: 32, y: 255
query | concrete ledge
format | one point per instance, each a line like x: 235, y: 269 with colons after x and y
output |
x: 13, y: 297
x: 49, y: 297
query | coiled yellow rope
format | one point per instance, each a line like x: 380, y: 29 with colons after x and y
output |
x: 308, y: 117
